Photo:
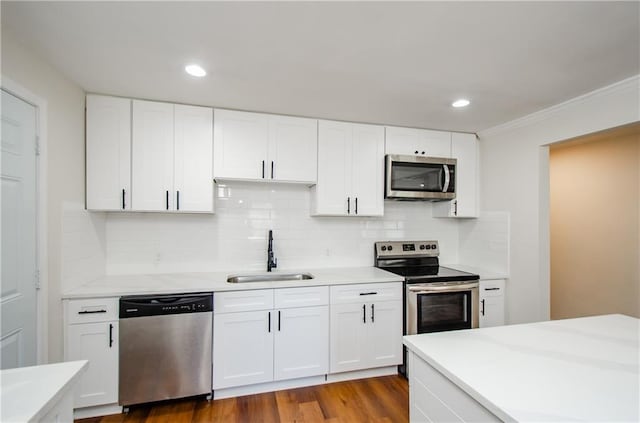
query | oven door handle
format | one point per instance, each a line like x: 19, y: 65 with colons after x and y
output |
x: 421, y: 289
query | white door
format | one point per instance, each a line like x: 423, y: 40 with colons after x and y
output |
x: 193, y: 143
x: 332, y: 192
x: 19, y: 265
x: 293, y: 149
x: 240, y: 142
x: 108, y: 153
x: 152, y: 160
x: 242, y: 348
x: 301, y: 342
x: 348, y: 333
x: 385, y: 333
x: 368, y: 170
x: 98, y: 343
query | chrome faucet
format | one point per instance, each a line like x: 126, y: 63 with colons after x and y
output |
x: 272, y: 262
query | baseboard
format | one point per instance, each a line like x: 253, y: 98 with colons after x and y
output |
x: 99, y: 410
x: 260, y: 388
x: 362, y: 374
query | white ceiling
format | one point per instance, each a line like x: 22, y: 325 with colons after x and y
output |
x: 379, y: 62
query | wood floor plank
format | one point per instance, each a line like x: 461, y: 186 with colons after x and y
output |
x: 376, y: 400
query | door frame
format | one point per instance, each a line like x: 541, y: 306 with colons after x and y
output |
x: 42, y: 265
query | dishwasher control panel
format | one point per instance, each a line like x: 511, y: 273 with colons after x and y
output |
x: 158, y: 305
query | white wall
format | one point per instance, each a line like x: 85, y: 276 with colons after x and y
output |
x: 235, y: 238
x: 515, y: 179
x: 65, y: 180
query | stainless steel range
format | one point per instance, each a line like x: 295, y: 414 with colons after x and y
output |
x: 436, y: 298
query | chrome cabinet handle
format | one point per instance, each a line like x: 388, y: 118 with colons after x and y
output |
x: 364, y: 313
x: 368, y: 293
x: 177, y: 200
x: 482, y: 311
x: 92, y: 311
x: 167, y: 196
x: 491, y: 289
x: 123, y: 199
x: 278, y: 320
x: 372, y: 314
x: 348, y: 205
x: 263, y: 169
x: 269, y: 322
x: 110, y: 335
x: 271, y: 169
x: 356, y: 205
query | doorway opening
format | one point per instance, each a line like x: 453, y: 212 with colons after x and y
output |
x: 594, y: 184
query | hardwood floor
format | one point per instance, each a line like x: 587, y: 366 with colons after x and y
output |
x: 382, y: 399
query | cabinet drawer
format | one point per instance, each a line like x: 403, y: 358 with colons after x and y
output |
x: 92, y: 310
x: 492, y: 288
x: 230, y: 302
x: 301, y: 297
x: 344, y: 294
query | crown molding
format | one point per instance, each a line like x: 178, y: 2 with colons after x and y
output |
x: 631, y: 84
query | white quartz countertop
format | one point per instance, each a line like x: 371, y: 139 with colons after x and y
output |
x: 564, y: 370
x: 29, y: 393
x: 485, y: 274
x: 118, y: 285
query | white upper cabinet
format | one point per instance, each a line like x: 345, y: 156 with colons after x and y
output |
x: 172, y: 161
x: 464, y: 148
x: 152, y: 156
x: 108, y: 153
x: 422, y: 142
x: 261, y: 147
x: 193, y: 158
x: 240, y: 142
x: 350, y: 170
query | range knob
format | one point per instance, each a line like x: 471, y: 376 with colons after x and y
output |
x: 389, y: 248
x: 383, y: 248
x: 422, y: 247
x: 434, y: 246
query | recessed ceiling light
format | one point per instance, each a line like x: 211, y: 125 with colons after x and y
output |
x: 195, y: 70
x: 460, y: 103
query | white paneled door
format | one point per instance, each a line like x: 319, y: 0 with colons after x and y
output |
x: 19, y: 265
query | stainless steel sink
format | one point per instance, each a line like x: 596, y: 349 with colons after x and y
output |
x: 274, y: 277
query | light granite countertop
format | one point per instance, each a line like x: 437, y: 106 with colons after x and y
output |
x: 584, y: 369
x: 118, y: 285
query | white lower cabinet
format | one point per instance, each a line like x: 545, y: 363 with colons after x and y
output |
x: 269, y: 344
x: 491, y: 303
x: 366, y: 326
x: 92, y: 334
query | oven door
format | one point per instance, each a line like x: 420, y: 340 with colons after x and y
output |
x: 419, y: 178
x: 440, y: 307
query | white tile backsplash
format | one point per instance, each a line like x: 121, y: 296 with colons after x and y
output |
x: 484, y: 242
x: 235, y: 237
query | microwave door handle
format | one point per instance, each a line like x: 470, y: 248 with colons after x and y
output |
x: 447, y: 178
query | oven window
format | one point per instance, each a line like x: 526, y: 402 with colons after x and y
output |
x: 444, y: 311
x: 417, y: 177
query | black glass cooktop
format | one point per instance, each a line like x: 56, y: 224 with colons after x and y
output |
x: 416, y: 274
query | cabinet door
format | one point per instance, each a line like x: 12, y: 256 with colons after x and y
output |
x: 240, y: 142
x: 193, y: 170
x: 385, y: 333
x: 420, y: 142
x: 348, y: 334
x: 491, y: 297
x: 293, y: 149
x: 108, y: 153
x: 330, y: 195
x: 301, y: 342
x: 368, y: 170
x: 464, y: 147
x: 242, y: 348
x: 98, y: 343
x: 152, y: 161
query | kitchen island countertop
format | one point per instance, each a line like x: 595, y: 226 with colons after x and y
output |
x: 583, y: 369
x: 168, y: 283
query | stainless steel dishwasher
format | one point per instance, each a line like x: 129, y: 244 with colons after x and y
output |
x: 165, y: 347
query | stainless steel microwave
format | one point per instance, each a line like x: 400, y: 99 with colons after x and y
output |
x: 420, y: 178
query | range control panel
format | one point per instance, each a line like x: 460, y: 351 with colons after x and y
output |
x: 407, y: 249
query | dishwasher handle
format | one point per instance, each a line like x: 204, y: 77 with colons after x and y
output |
x: 158, y: 305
